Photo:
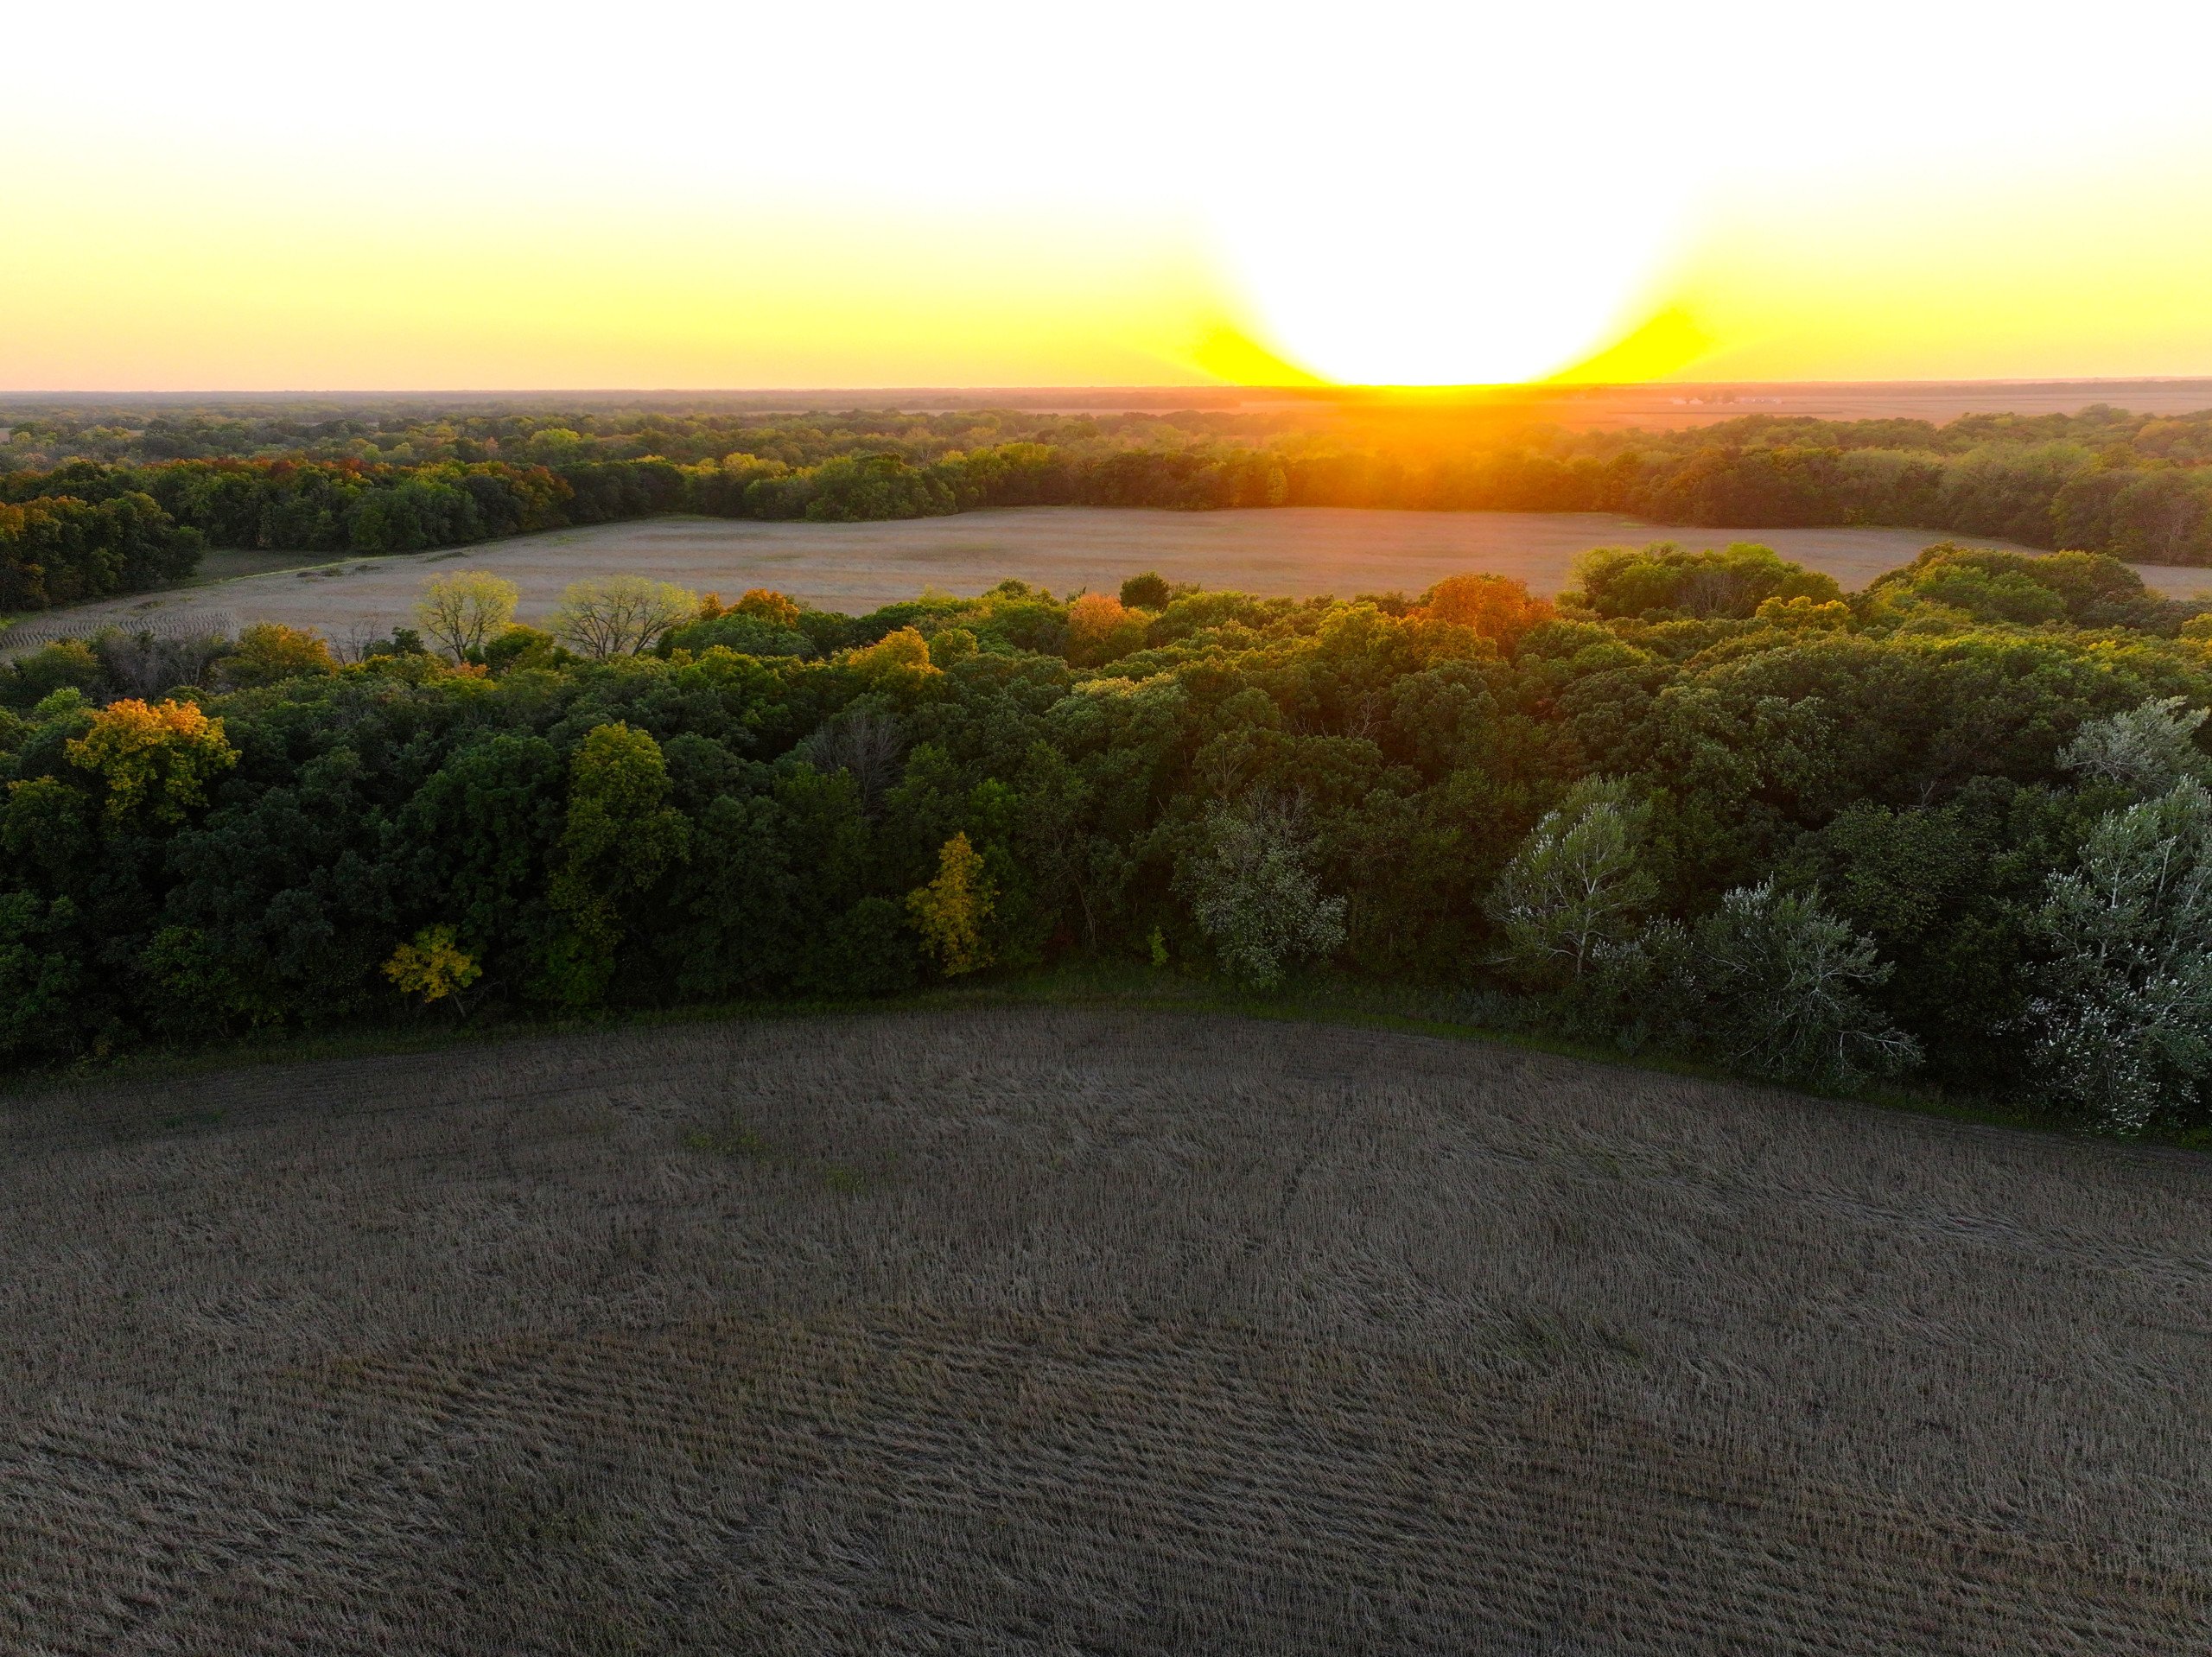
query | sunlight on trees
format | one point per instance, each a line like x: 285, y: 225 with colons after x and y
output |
x: 161, y: 757
x: 463, y: 611
x: 1495, y: 606
x: 619, y: 615
x: 1100, y: 628
x: 268, y: 653
x: 897, y: 662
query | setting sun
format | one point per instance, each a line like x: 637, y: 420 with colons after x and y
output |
x: 256, y: 197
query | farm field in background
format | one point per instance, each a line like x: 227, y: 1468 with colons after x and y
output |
x: 1085, y: 1330
x: 857, y: 567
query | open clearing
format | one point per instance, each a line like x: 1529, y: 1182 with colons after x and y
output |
x: 1085, y: 1332
x: 857, y: 567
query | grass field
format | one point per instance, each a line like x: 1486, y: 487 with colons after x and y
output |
x: 856, y: 567
x: 1056, y: 1331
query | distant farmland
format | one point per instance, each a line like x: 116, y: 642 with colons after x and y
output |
x: 857, y: 567
x: 1065, y: 1331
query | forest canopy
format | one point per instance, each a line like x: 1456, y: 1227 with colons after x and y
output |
x: 1956, y: 827
x: 402, y: 478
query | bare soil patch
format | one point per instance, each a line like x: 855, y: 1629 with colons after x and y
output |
x: 1065, y: 1331
x: 856, y: 567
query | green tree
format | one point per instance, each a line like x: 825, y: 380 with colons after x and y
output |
x: 2145, y: 750
x: 1254, y: 892
x: 1574, y: 896
x: 2122, y: 1022
x: 1786, y: 982
x: 620, y: 836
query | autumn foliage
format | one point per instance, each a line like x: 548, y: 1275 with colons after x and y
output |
x: 432, y: 965
x: 159, y: 757
x: 950, y: 911
x: 1496, y: 606
x: 1100, y: 628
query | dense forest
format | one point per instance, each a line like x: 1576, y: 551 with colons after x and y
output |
x: 100, y: 501
x: 1954, y: 826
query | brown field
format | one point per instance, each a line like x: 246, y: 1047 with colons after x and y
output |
x: 856, y: 567
x: 1065, y: 1331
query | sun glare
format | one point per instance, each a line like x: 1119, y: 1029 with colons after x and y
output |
x: 1424, y: 198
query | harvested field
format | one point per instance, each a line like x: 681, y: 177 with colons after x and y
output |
x: 856, y: 567
x: 1067, y: 1331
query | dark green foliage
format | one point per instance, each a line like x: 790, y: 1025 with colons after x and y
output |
x: 748, y: 635
x: 58, y: 548
x: 1875, y: 794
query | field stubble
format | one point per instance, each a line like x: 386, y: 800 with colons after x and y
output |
x: 1298, y: 550
x: 1064, y: 1331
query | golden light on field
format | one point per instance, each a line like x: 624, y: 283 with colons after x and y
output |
x: 246, y: 195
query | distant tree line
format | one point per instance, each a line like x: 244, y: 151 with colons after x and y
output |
x: 2103, y: 482
x: 1956, y: 825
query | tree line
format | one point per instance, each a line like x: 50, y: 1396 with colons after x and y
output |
x: 1955, y: 827
x: 88, y: 531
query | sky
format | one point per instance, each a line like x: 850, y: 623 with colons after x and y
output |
x: 242, y: 195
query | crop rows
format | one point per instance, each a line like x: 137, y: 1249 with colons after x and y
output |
x: 1067, y: 1331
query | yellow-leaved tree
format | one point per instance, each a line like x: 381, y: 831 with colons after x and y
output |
x: 155, y: 758
x: 950, y: 911
x: 432, y: 965
x: 898, y: 661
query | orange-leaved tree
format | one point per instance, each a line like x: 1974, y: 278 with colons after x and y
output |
x: 157, y: 759
x: 1101, y: 627
x: 950, y: 911
x: 1496, y: 606
x: 768, y: 604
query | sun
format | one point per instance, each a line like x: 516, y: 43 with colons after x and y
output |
x: 1405, y: 288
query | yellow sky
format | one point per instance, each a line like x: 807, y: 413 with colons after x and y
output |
x: 246, y: 195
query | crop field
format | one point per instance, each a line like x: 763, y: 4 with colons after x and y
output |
x: 1067, y: 1331
x: 856, y: 567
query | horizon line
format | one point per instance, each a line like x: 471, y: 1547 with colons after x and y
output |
x: 1302, y: 392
